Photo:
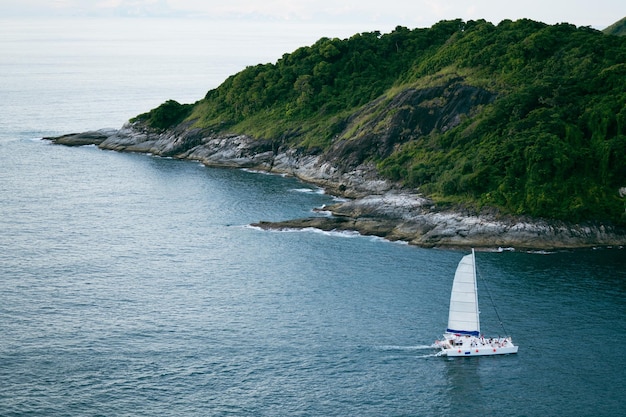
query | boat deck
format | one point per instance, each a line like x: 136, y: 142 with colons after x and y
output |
x: 454, y: 345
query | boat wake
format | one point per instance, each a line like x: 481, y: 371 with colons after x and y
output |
x: 405, y: 348
x: 430, y: 355
x: 408, y: 351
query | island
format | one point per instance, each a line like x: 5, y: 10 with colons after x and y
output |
x: 462, y: 134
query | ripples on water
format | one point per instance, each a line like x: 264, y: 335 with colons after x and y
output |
x: 132, y: 284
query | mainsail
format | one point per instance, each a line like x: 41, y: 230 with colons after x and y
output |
x: 463, y: 315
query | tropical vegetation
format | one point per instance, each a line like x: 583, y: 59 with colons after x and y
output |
x: 551, y: 143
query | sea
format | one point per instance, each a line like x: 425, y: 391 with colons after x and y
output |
x: 133, y: 285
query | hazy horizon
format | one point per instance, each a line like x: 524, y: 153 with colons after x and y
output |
x: 366, y: 13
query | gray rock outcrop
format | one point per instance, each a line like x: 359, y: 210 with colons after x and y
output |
x: 374, y: 206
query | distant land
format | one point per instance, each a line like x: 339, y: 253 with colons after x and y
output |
x: 465, y: 133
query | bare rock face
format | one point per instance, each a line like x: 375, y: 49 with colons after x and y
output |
x: 412, y: 113
x: 137, y: 138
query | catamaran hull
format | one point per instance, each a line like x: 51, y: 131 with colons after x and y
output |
x: 455, y: 345
x: 481, y: 351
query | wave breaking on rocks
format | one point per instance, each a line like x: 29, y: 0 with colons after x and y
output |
x: 372, y: 206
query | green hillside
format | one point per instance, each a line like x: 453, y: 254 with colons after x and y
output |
x: 618, y: 28
x: 523, y: 116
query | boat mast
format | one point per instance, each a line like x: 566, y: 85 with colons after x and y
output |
x: 490, y: 297
x: 476, y: 291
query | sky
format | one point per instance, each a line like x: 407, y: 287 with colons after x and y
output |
x: 375, y: 13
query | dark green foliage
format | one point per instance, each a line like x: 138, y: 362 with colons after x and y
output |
x: 552, y: 144
x: 166, y: 115
x: 321, y: 80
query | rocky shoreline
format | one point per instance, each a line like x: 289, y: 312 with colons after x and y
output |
x: 403, y: 217
x: 373, y: 206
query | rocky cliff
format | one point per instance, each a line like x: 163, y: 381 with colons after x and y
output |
x: 478, y: 123
x: 373, y: 206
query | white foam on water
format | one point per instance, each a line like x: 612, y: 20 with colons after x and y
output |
x: 337, y: 233
x: 404, y: 348
x: 308, y: 190
x: 259, y: 171
x: 322, y: 212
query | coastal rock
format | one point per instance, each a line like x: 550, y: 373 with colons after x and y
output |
x: 399, y: 216
x: 137, y: 138
x: 81, y: 139
x: 374, y: 206
x: 231, y: 151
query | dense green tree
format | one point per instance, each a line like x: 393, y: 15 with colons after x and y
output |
x: 552, y: 143
x: 166, y: 115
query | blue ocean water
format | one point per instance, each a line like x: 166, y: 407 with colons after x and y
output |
x: 133, y: 285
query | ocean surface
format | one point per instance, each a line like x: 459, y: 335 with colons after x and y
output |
x: 134, y: 285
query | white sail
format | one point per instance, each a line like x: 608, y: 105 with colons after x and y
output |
x: 462, y: 337
x: 463, y: 315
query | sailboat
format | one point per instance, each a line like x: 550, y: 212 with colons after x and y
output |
x: 463, y: 337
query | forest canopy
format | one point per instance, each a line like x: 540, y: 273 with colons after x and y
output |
x: 552, y: 142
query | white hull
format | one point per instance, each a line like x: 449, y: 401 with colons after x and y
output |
x: 453, y: 345
x: 479, y: 351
